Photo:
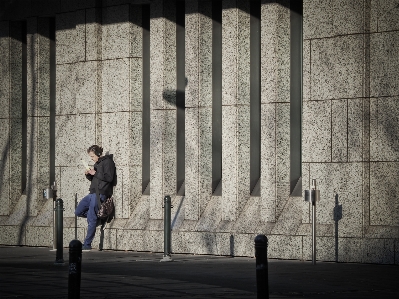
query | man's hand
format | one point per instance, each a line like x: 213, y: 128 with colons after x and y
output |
x: 91, y: 171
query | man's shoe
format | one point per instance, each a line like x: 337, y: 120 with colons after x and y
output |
x: 86, y: 248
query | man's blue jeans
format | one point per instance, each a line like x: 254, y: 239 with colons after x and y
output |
x: 87, y: 208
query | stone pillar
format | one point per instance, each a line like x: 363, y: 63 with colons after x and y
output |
x: 163, y: 104
x: 236, y: 107
x: 4, y: 118
x: 275, y: 105
x: 198, y: 107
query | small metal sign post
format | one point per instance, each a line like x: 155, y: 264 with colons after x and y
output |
x: 313, y: 196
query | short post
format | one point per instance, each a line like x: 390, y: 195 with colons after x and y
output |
x: 59, y: 260
x: 75, y: 267
x: 262, y: 275
x: 166, y: 229
x: 313, y: 196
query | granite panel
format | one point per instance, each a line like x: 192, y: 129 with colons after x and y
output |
x: 275, y: 49
x: 136, y: 31
x: 157, y: 36
x: 93, y: 34
x: 319, y: 18
x: 285, y: 247
x: 316, y: 138
x: 66, y: 81
x: 70, y: 37
x: 192, y: 165
x: 212, y: 215
x: 249, y: 219
x: 115, y: 85
x: 169, y: 54
x: 133, y: 199
x: 243, y: 155
x: 379, y: 251
x: 43, y: 71
x: 290, y: 218
x: 156, y: 161
x: 205, y: 156
x: 39, y: 236
x: 169, y: 153
x: 122, y: 193
x: 205, y: 54
x: 107, y: 238
x: 339, y: 130
x: 32, y: 66
x: 12, y: 235
x: 15, y: 75
x: 268, y: 162
x: 115, y: 138
x: 32, y: 162
x: 86, y: 86
x: 4, y: 69
x: 348, y: 16
x: 229, y: 162
x: 243, y: 54
x: 341, y: 196
x: 4, y: 166
x: 192, y: 53
x: 384, y: 188
x: 350, y: 250
x: 65, y: 130
x: 116, y: 31
x: 327, y: 249
x: 43, y: 155
x: 337, y: 67
x: 282, y: 156
x: 356, y: 122
x: 388, y: 18
x: 384, y: 64
x: 136, y: 84
x: 384, y: 144
x: 196, y: 242
x: 306, y: 70
x: 229, y: 53
x: 15, y: 156
x: 373, y: 12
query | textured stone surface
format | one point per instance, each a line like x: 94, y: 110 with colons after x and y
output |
x: 384, y: 64
x: 93, y: 34
x: 339, y: 138
x: 341, y: 198
x: 4, y: 69
x: 5, y: 166
x: 268, y: 162
x: 70, y: 37
x: 275, y: 52
x: 384, y: 187
x: 329, y: 18
x: 316, y: 138
x: 115, y: 32
x: 356, y: 130
x: 384, y: 144
x: 337, y: 67
x: 115, y: 85
x: 386, y: 15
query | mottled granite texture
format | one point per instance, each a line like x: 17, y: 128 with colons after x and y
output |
x: 349, y: 113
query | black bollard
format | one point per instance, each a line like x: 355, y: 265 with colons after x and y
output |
x: 167, y: 229
x: 75, y: 267
x: 262, y: 276
x: 59, y: 220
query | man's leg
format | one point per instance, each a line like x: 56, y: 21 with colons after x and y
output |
x: 92, y: 220
x: 83, y: 207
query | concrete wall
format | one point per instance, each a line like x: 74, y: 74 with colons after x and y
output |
x: 349, y: 121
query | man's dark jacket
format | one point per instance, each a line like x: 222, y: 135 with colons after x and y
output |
x: 104, y: 176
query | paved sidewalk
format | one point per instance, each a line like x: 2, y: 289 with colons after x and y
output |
x: 27, y: 272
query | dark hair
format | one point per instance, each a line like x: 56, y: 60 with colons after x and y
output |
x: 97, y: 150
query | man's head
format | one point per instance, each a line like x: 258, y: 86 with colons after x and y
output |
x: 95, y: 152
